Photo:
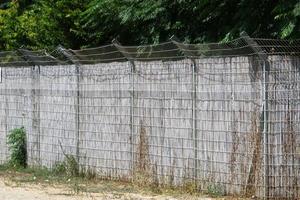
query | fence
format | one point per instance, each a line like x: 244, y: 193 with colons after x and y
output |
x: 224, y: 116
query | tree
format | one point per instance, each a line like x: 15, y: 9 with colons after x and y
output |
x: 287, y: 17
x: 43, y: 24
x: 40, y: 24
x: 8, y: 26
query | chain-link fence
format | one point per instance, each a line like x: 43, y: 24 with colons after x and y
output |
x: 225, y: 116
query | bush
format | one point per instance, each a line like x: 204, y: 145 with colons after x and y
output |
x: 59, y: 168
x: 17, y: 147
x: 215, y: 190
x: 71, y: 166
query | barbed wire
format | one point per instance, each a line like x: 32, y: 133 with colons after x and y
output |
x: 100, y: 64
x: 169, y: 50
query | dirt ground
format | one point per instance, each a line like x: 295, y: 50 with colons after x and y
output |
x: 41, y: 184
x: 10, y: 190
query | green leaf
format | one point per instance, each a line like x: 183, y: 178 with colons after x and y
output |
x: 287, y: 30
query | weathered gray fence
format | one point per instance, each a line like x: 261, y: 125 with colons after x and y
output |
x: 228, y: 122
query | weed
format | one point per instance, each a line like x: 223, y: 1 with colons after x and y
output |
x: 71, y: 166
x: 17, y: 146
x: 215, y: 190
x: 190, y: 187
x: 76, y: 188
x: 89, y: 174
x: 59, y: 168
x: 142, y: 178
x: 143, y: 183
x: 143, y: 150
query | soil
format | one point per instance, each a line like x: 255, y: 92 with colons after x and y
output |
x: 10, y: 190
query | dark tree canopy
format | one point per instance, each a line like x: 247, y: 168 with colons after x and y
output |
x: 38, y: 24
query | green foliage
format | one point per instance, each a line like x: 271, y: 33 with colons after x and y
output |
x: 82, y: 23
x: 152, y: 21
x: 215, y: 190
x: 43, y: 24
x: 17, y: 146
x: 71, y: 166
x: 190, y: 187
x: 38, y: 29
x: 287, y: 14
x: 8, y: 28
x: 59, y: 168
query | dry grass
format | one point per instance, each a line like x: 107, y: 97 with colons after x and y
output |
x: 44, y: 178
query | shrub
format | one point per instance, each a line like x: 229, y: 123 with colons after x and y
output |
x: 215, y: 190
x: 59, y: 168
x: 71, y: 166
x: 17, y: 146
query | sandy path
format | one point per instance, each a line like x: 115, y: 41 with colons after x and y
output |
x: 11, y: 191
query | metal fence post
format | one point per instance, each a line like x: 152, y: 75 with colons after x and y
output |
x: 132, y: 99
x: 72, y: 58
x: 189, y: 55
x: 266, y: 128
x: 194, y: 115
x: 265, y: 110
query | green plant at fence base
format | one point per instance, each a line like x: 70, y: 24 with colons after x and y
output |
x: 76, y: 188
x: 147, y: 180
x: 190, y: 187
x: 215, y: 190
x: 17, y: 146
x: 89, y: 174
x: 71, y: 168
x: 59, y: 168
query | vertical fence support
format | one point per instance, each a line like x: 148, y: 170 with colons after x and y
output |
x: 6, y: 112
x: 71, y: 58
x: 266, y: 128
x: 77, y: 111
x: 132, y: 99
x: 195, y: 132
x: 265, y: 110
x: 35, y: 100
x: 189, y: 55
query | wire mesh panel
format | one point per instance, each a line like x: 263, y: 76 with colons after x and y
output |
x: 163, y: 137
x: 104, y: 123
x: 56, y: 100
x: 284, y: 127
x: 224, y: 116
x: 228, y: 132
x: 16, y: 99
x: 3, y: 129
